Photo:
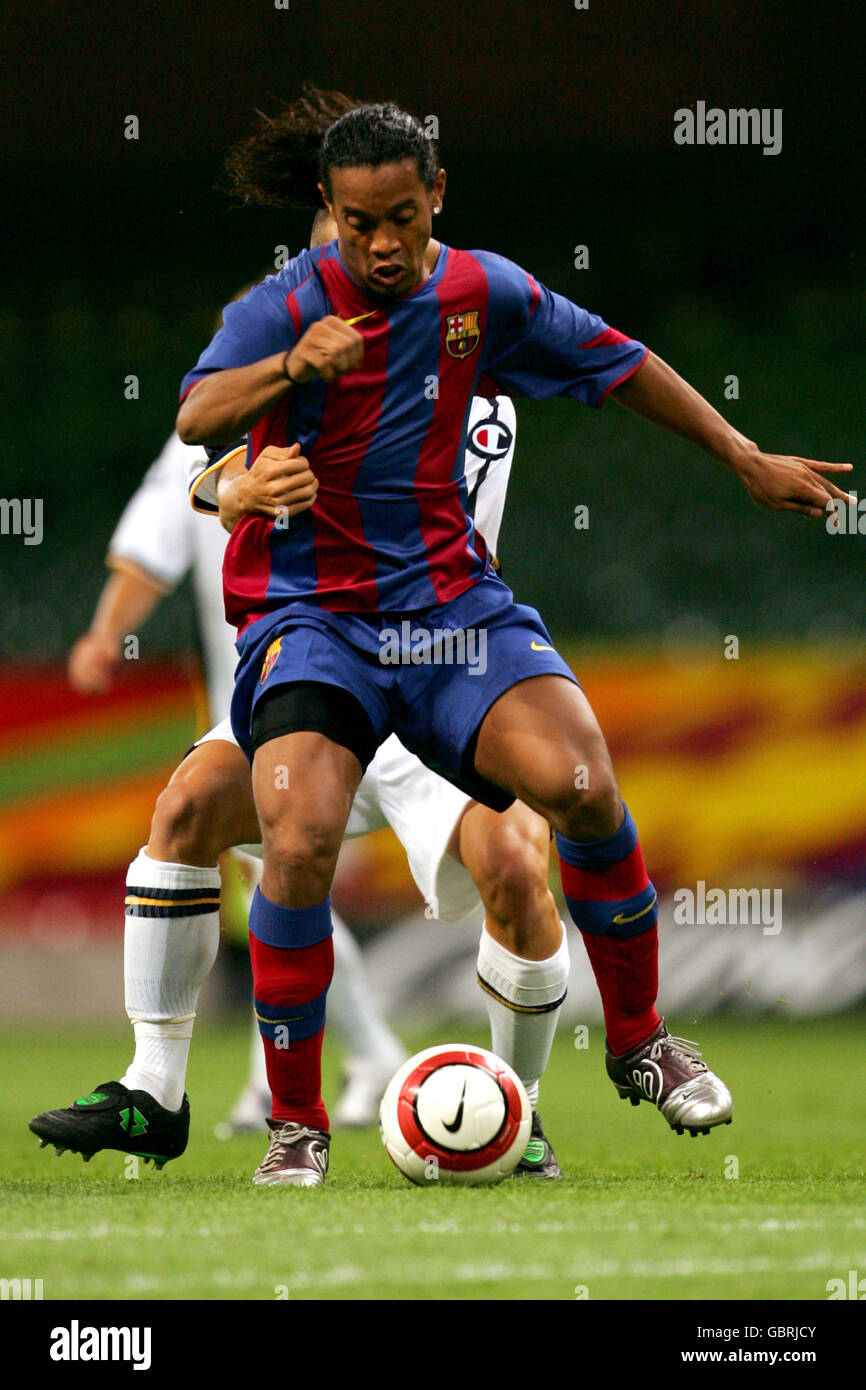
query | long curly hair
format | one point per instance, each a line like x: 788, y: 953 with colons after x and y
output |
x: 277, y: 166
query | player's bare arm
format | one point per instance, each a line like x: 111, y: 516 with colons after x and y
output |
x: 280, y: 482
x: 226, y: 404
x: 129, y: 597
x: 782, y: 482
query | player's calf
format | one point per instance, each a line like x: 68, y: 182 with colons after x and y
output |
x: 523, y: 955
x: 508, y: 855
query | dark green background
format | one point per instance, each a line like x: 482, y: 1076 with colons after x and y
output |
x: 556, y: 128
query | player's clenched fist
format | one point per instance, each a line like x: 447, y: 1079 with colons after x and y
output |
x: 280, y: 481
x: 328, y: 349
x: 92, y: 664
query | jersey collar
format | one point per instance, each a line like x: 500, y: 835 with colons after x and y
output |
x: 369, y: 300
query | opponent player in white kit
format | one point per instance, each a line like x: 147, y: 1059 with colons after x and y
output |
x: 157, y: 541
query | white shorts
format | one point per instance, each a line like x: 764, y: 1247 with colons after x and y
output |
x: 422, y: 810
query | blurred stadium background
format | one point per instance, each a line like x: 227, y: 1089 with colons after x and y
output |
x: 556, y: 128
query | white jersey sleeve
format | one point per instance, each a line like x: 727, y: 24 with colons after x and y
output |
x: 490, y: 438
x: 155, y: 530
x: 203, y: 474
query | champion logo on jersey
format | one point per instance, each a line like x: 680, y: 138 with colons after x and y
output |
x: 462, y: 334
x: 490, y: 439
x: 270, y: 657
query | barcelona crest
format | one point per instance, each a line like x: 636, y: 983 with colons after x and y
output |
x: 270, y: 657
x: 462, y: 333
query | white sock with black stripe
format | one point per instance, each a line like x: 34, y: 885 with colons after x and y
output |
x: 170, y: 943
x: 523, y: 999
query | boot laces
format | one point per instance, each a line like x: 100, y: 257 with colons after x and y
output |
x: 287, y: 1135
x: 681, y: 1045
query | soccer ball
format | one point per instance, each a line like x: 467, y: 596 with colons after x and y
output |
x: 456, y: 1114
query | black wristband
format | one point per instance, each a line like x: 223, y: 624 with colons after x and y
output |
x: 286, y: 374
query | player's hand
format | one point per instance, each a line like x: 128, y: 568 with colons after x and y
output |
x: 280, y: 482
x: 791, y: 484
x: 328, y: 349
x: 92, y: 664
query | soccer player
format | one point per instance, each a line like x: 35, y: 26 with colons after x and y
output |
x: 457, y: 848
x: 339, y: 353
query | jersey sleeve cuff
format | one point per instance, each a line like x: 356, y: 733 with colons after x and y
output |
x: 126, y: 564
x: 203, y: 487
x: 630, y: 371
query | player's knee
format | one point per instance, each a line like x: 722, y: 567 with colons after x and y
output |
x: 580, y: 799
x: 308, y: 848
x: 593, y: 809
x: 514, y: 874
x: 187, y: 824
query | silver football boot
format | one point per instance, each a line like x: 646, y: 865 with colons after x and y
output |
x: 668, y: 1072
x: 297, y: 1156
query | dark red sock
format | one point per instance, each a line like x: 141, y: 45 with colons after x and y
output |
x: 295, y: 1079
x: 290, y: 988
x: 627, y: 974
x: 613, y: 903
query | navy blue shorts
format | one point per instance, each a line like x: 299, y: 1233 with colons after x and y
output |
x: 430, y: 677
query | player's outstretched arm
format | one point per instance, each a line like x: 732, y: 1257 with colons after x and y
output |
x: 227, y: 403
x: 280, y: 482
x: 128, y: 598
x: 780, y: 481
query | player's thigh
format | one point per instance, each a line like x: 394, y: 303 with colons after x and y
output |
x: 212, y: 785
x: 304, y: 785
x: 542, y: 741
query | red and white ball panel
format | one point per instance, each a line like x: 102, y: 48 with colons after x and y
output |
x: 456, y: 1114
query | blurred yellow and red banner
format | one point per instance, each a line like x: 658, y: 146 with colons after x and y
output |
x: 734, y: 771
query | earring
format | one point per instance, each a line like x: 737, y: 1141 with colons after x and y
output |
x: 437, y: 210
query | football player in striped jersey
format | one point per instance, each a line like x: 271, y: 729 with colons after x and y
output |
x: 457, y: 848
x: 367, y: 353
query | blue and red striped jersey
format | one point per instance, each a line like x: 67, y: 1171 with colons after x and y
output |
x: 389, y: 530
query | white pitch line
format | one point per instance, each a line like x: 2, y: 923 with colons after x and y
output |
x: 581, y: 1228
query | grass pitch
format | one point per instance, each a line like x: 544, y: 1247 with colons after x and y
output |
x: 640, y: 1214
